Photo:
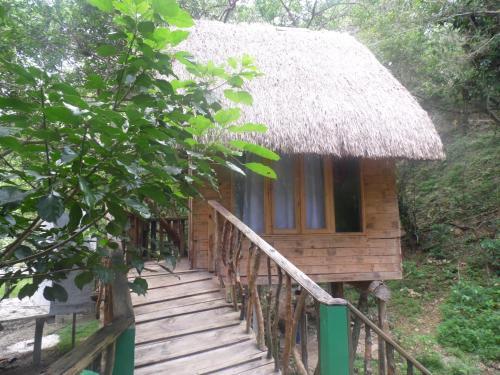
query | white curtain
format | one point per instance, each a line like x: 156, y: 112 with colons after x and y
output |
x: 315, y: 191
x: 249, y: 196
x: 284, y: 193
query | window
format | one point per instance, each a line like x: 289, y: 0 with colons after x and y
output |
x: 313, y: 194
x: 249, y: 200
x: 314, y: 189
x: 284, y: 215
x: 347, y: 195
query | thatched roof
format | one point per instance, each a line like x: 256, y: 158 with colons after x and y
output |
x: 322, y: 92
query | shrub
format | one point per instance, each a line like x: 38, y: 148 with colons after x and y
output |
x: 471, y: 320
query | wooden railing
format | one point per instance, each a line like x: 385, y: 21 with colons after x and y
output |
x: 150, y: 235
x: 97, y: 353
x: 254, y: 274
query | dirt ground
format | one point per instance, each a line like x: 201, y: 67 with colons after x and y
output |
x: 21, y: 362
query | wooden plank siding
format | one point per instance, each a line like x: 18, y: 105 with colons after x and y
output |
x: 374, y: 254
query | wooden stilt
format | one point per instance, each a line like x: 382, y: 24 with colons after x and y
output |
x: 368, y: 351
x: 382, y: 323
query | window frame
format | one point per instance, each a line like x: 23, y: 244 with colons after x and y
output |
x: 300, y: 202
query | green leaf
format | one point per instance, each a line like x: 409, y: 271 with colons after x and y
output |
x: 11, y: 194
x: 17, y: 104
x: 61, y: 114
x: 89, y: 197
x: 146, y: 27
x: 118, y: 212
x: 249, y: 127
x: 104, y: 274
x: 255, y: 149
x: 137, y: 262
x: 55, y: 293
x: 114, y: 228
x: 239, y: 96
x: 27, y: 290
x: 199, y: 124
x: 139, y: 286
x: 142, y: 209
x: 166, y: 8
x: 95, y: 82
x: 75, y: 216
x: 181, y: 19
x: 106, y: 50
x: 261, y: 169
x: 83, y: 278
x: 225, y: 116
x: 65, y: 89
x: 22, y: 251
x: 103, y: 5
x: 50, y: 207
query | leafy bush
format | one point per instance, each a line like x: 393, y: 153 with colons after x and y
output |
x: 472, y: 320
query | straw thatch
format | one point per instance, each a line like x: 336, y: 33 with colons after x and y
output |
x: 322, y: 92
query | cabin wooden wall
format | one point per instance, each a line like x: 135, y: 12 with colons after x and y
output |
x: 374, y: 254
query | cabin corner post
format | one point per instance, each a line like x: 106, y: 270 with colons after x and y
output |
x: 334, y: 355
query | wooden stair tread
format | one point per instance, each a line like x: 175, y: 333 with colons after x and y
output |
x: 184, y: 325
x: 172, y: 327
x: 172, y: 303
x: 211, y: 361
x: 175, y: 348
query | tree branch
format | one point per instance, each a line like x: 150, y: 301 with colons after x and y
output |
x: 55, y: 246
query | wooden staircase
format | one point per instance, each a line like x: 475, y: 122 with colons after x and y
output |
x: 185, y: 326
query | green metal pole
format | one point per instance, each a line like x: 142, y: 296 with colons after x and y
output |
x: 334, y: 340
x: 124, y: 353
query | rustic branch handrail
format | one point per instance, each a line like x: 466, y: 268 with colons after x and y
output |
x: 289, y: 268
x: 82, y: 356
x: 387, y: 338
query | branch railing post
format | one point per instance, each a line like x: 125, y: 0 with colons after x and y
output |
x: 336, y: 350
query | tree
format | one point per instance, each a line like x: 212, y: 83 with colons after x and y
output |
x: 89, y: 136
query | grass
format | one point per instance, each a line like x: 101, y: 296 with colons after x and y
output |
x: 83, y: 330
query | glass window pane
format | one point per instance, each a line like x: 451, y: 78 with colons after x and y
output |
x: 314, y: 182
x: 284, y: 193
x: 347, y: 195
x: 249, y: 200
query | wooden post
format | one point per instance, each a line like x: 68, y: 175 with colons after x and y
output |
x: 368, y: 351
x: 337, y: 289
x: 215, y: 255
x: 73, y: 331
x: 356, y: 330
x: 211, y: 242
x: 334, y: 355
x: 288, y: 326
x: 304, y: 339
x: 37, y: 345
x: 382, y: 323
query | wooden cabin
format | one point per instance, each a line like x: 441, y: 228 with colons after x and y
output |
x: 340, y: 121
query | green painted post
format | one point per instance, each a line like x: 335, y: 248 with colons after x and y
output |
x: 124, y: 353
x: 334, y: 340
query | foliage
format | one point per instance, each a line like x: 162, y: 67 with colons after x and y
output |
x: 87, y: 142
x: 472, y: 320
